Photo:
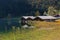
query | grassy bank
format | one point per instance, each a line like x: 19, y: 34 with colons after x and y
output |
x: 36, y: 33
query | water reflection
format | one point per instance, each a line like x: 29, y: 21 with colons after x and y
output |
x: 8, y: 23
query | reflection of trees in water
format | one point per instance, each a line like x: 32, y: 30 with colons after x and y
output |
x: 7, y: 24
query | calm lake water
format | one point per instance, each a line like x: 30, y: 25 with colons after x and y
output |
x: 8, y: 23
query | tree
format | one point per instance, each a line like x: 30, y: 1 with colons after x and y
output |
x: 45, y: 14
x: 52, y: 11
x: 37, y: 13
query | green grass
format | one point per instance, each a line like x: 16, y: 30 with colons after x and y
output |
x: 35, y: 33
x: 31, y: 34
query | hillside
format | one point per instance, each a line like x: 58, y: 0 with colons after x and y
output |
x: 26, y: 7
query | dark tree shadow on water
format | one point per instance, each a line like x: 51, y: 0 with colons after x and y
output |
x: 7, y: 27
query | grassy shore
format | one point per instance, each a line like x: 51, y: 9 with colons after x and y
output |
x: 42, y: 31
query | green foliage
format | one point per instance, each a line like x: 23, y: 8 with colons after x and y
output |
x: 45, y: 13
x: 52, y: 11
x: 37, y: 13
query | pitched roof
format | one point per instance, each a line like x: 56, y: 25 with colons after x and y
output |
x: 41, y: 17
x: 58, y: 17
x: 46, y: 17
x: 26, y: 17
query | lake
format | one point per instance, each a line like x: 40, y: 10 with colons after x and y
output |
x: 8, y: 23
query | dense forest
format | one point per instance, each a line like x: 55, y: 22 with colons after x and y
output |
x: 26, y: 7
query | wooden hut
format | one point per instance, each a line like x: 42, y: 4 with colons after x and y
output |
x: 38, y: 19
x: 25, y: 19
x: 57, y: 16
x: 47, y: 18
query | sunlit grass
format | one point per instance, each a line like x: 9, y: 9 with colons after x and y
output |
x: 35, y: 33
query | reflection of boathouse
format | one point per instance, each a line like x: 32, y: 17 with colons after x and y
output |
x: 25, y: 19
